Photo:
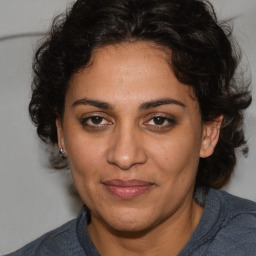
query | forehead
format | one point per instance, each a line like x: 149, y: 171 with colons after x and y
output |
x: 128, y: 73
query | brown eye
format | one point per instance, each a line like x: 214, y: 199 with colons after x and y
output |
x: 95, y: 122
x: 159, y: 120
x: 96, y: 119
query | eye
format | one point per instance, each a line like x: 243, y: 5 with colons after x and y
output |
x: 95, y: 122
x: 160, y: 122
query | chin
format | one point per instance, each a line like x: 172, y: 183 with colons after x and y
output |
x: 126, y: 227
x: 129, y: 220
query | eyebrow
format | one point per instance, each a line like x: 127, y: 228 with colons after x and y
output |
x: 95, y: 103
x: 160, y: 102
x: 144, y: 106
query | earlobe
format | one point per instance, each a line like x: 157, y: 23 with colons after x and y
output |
x: 210, y: 137
x: 61, y: 143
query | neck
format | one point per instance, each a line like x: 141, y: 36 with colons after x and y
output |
x: 167, y: 238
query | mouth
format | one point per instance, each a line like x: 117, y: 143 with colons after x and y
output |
x: 127, y: 189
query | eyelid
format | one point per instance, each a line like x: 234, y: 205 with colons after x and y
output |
x: 92, y: 114
x: 88, y: 116
x: 170, y: 118
x: 161, y: 114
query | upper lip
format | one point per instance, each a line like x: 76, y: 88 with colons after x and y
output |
x: 126, y: 183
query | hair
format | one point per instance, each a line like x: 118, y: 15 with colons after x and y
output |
x: 203, y: 55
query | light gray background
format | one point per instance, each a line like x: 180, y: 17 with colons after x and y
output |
x: 34, y: 198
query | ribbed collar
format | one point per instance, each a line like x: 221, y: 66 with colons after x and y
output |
x: 209, y: 224
x: 207, y: 228
x: 83, y: 234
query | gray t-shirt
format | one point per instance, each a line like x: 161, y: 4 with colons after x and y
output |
x: 226, y: 228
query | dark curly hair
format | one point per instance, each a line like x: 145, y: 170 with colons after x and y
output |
x: 204, y: 56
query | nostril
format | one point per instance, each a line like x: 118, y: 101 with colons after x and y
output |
x: 127, y: 157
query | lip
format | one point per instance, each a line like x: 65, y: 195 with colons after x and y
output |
x: 127, y: 189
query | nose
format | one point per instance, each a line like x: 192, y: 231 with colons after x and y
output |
x: 126, y: 149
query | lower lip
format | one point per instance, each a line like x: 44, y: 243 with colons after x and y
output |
x: 128, y: 192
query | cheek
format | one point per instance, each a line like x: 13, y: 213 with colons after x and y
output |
x: 177, y: 155
x: 86, y: 165
x: 85, y: 154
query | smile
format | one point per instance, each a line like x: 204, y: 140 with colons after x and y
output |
x: 127, y: 189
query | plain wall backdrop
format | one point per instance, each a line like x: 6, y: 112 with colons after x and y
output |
x: 34, y: 198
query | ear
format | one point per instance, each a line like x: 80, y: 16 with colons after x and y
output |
x: 61, y: 143
x: 210, y: 136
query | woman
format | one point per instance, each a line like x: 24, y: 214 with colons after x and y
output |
x: 141, y: 99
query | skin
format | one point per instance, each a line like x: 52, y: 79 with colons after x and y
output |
x: 127, y: 137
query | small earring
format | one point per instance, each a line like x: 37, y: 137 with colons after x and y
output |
x: 62, y: 153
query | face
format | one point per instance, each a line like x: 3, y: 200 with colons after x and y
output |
x: 133, y: 136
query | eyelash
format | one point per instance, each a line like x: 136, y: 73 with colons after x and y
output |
x: 167, y: 122
x: 85, y: 122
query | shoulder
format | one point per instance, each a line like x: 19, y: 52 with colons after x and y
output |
x: 236, y: 234
x: 237, y: 209
x: 236, y: 204
x: 61, y: 241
